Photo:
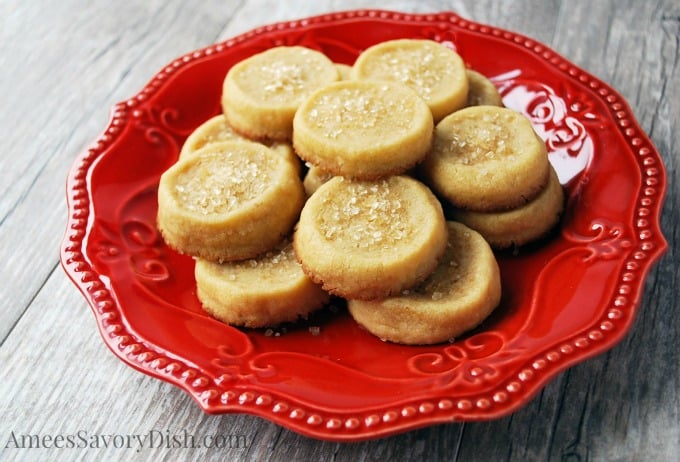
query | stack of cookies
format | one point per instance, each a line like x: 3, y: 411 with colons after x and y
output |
x: 491, y: 167
x: 235, y: 194
x: 386, y: 143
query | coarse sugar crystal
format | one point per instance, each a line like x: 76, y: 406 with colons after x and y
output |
x: 221, y: 182
x: 367, y: 215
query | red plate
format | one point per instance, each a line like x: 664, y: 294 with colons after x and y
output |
x: 565, y: 300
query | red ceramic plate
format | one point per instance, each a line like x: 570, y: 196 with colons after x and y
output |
x: 564, y: 300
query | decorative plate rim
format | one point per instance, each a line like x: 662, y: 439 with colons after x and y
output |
x: 411, y: 413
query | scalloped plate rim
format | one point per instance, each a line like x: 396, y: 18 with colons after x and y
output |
x: 88, y: 283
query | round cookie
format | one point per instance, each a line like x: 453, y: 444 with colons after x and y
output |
x: 519, y: 226
x: 314, y: 178
x: 370, y: 239
x: 261, y: 93
x: 486, y: 158
x: 213, y: 130
x: 344, y: 71
x: 260, y: 292
x: 482, y: 91
x: 228, y: 201
x: 461, y: 292
x: 216, y: 129
x: 363, y: 129
x: 435, y: 72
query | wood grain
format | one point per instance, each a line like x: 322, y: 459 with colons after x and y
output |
x: 64, y: 64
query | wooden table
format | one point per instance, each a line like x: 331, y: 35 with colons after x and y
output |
x: 65, y: 64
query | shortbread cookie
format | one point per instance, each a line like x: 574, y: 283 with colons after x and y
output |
x: 314, y: 178
x: 434, y: 71
x: 216, y: 129
x: 482, y: 91
x: 264, y: 291
x: 213, y: 130
x: 486, y: 158
x: 462, y: 291
x: 519, y: 226
x: 261, y: 93
x: 363, y: 129
x: 285, y: 150
x: 228, y: 201
x: 344, y: 71
x: 370, y: 239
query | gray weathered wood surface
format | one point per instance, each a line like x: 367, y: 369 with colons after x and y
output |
x: 64, y: 64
